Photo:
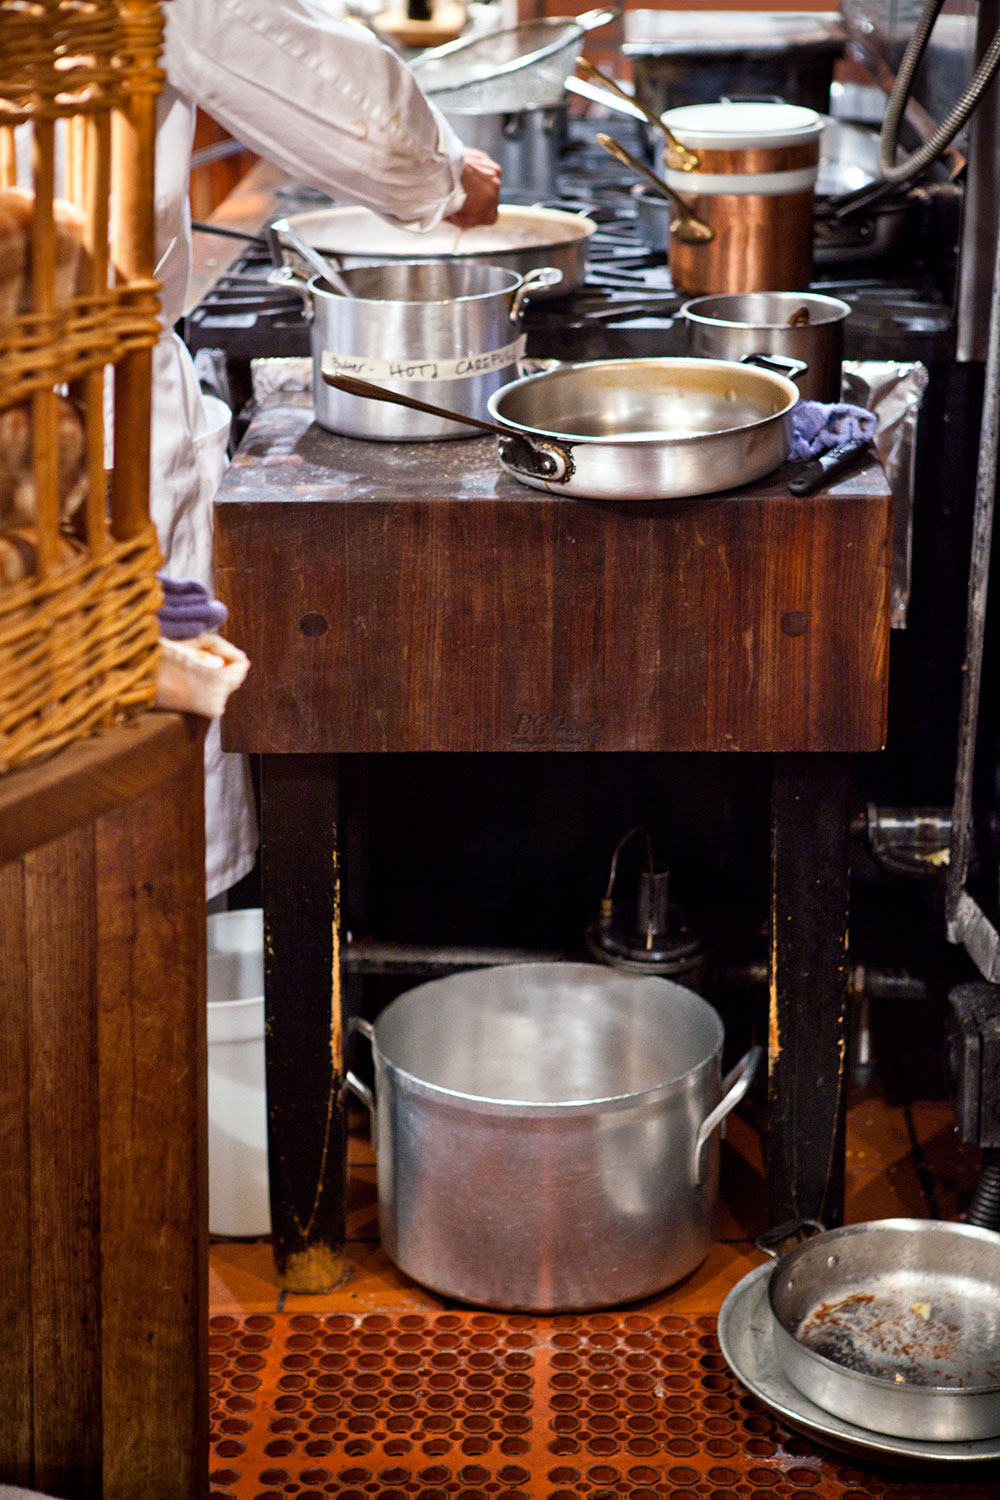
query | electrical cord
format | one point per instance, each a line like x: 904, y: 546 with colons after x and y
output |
x: 918, y: 161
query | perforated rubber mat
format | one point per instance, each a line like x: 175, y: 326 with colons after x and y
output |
x: 480, y: 1406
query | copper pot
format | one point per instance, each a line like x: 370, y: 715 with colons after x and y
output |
x: 754, y: 185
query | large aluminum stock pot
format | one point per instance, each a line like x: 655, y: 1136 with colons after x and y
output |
x: 528, y: 144
x: 547, y: 1134
x: 451, y: 331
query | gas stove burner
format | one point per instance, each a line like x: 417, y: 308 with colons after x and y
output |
x: 625, y: 309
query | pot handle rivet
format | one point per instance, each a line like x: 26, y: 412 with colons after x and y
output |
x: 735, y: 1085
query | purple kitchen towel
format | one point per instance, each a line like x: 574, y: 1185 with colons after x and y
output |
x: 818, y: 426
x: 188, y: 609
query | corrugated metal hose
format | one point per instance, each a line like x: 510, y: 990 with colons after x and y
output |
x: 919, y: 160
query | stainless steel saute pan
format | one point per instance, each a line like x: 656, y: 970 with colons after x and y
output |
x: 632, y: 429
x: 894, y: 1325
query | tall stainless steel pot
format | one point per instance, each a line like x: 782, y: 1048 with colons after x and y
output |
x: 547, y: 1134
x: 450, y: 330
x: 796, y: 325
x: 692, y: 57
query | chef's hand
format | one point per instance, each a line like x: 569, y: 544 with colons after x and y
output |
x: 481, y: 181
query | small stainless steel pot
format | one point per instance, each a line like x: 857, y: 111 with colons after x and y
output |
x: 893, y: 1325
x: 547, y: 1134
x: 427, y: 328
x: 797, y: 325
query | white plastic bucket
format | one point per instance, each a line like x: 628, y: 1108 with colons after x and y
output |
x: 237, y: 1108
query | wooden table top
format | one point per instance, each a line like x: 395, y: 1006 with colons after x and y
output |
x: 414, y: 596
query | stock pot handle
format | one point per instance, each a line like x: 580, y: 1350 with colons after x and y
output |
x: 734, y: 1086
x: 287, y: 277
x: 353, y: 1082
x: 534, y: 280
x: 779, y: 364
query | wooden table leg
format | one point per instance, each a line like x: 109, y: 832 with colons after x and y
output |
x: 807, y: 1018
x: 307, y: 1159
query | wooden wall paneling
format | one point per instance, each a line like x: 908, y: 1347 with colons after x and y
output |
x: 16, y: 1443
x: 218, y: 165
x: 154, y: 1169
x: 65, y: 1208
x: 103, y: 1118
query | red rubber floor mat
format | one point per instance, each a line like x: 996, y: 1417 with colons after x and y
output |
x: 482, y: 1406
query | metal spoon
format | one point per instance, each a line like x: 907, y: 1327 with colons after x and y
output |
x: 283, y: 231
x: 676, y: 156
x: 687, y: 227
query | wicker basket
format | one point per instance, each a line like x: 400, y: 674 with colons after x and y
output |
x: 79, y: 636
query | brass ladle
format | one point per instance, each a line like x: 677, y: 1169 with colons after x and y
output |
x: 687, y: 226
x: 676, y: 156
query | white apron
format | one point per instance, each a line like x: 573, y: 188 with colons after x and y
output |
x: 321, y: 98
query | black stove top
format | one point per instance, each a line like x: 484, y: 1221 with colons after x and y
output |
x: 627, y: 306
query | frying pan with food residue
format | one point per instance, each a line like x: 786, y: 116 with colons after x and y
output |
x: 894, y: 1325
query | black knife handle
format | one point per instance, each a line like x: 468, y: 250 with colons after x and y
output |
x: 809, y: 476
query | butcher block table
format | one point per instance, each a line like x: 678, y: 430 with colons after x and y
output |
x: 414, y: 597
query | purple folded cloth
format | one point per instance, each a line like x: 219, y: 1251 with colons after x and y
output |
x: 817, y: 427
x: 188, y: 609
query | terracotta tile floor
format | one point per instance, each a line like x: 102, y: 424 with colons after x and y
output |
x: 382, y: 1389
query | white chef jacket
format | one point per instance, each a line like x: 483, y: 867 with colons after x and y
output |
x: 324, y: 100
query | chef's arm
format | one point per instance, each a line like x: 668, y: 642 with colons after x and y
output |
x: 326, y: 102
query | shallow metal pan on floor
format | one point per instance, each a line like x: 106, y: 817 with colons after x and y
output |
x: 745, y: 1323
x: 894, y: 1325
